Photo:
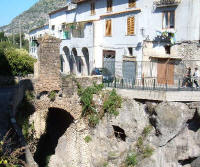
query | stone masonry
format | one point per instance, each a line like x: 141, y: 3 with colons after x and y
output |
x: 48, y: 66
x: 69, y: 84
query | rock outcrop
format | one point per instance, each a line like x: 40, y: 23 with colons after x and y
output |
x: 170, y: 119
x: 196, y: 163
x: 174, y: 137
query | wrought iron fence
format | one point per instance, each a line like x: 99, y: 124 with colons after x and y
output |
x: 160, y: 3
x: 157, y: 75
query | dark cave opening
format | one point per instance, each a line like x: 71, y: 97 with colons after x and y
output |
x: 58, y: 120
x: 187, y: 161
x: 119, y: 133
x: 42, y: 94
x: 194, y: 123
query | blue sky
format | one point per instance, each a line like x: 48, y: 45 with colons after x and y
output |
x: 11, y: 8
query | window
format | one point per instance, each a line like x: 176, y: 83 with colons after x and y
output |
x: 109, y: 5
x: 66, y: 35
x: 130, y: 50
x: 78, y: 30
x: 92, y: 8
x: 108, y: 28
x: 131, y: 26
x: 168, y: 19
x: 132, y: 3
x: 53, y: 27
x: 63, y: 26
x: 167, y: 49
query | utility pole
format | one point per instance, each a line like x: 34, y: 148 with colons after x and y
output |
x: 20, y: 34
x: 13, y: 38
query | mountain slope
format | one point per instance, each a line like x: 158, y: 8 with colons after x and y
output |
x: 36, y: 16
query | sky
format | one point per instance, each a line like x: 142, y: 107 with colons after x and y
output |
x: 9, y: 9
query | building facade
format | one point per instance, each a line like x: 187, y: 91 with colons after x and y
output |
x: 33, y: 36
x: 131, y: 38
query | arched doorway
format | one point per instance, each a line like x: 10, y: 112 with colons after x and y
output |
x: 69, y: 59
x: 78, y: 61
x: 87, y: 59
x: 57, y: 122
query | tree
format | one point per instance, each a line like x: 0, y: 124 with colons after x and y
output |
x: 3, y: 37
x: 14, y: 61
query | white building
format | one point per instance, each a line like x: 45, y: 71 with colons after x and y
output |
x: 33, y: 35
x: 100, y: 33
x: 118, y: 33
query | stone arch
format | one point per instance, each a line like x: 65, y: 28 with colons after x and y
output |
x: 78, y: 61
x: 69, y: 59
x: 57, y: 122
x: 87, y: 59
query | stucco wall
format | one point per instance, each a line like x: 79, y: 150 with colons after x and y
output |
x: 39, y: 32
x: 57, y: 19
x: 186, y: 19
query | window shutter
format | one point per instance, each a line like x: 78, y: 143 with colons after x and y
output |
x: 109, y: 5
x: 108, y: 28
x: 92, y: 8
x: 131, y: 26
x: 132, y: 3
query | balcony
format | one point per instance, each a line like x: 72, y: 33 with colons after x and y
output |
x: 166, y: 3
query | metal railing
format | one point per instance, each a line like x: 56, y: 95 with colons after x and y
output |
x: 171, y: 75
x: 162, y: 3
x: 154, y: 84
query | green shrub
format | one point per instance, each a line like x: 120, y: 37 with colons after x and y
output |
x: 113, y: 102
x: 52, y: 95
x: 93, y: 119
x: 86, y: 96
x: 148, y: 151
x: 47, y: 160
x: 25, y: 109
x: 147, y: 130
x: 110, y: 105
x: 19, y: 61
x: 140, y: 143
x: 4, y: 64
x: 131, y: 160
x: 29, y: 95
x: 105, y: 164
x: 10, y: 157
x: 88, y: 139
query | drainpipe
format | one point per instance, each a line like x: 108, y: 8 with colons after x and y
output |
x: 199, y: 23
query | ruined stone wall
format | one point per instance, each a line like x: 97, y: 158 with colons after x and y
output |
x: 190, y: 53
x: 189, y: 50
x: 48, y: 76
x: 67, y: 99
x: 69, y: 85
x: 184, y: 51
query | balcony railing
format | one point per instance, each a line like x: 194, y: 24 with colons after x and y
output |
x: 163, y: 3
x: 78, y: 1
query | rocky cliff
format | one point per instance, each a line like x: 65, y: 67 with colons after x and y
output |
x: 36, y: 16
x: 145, y: 134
